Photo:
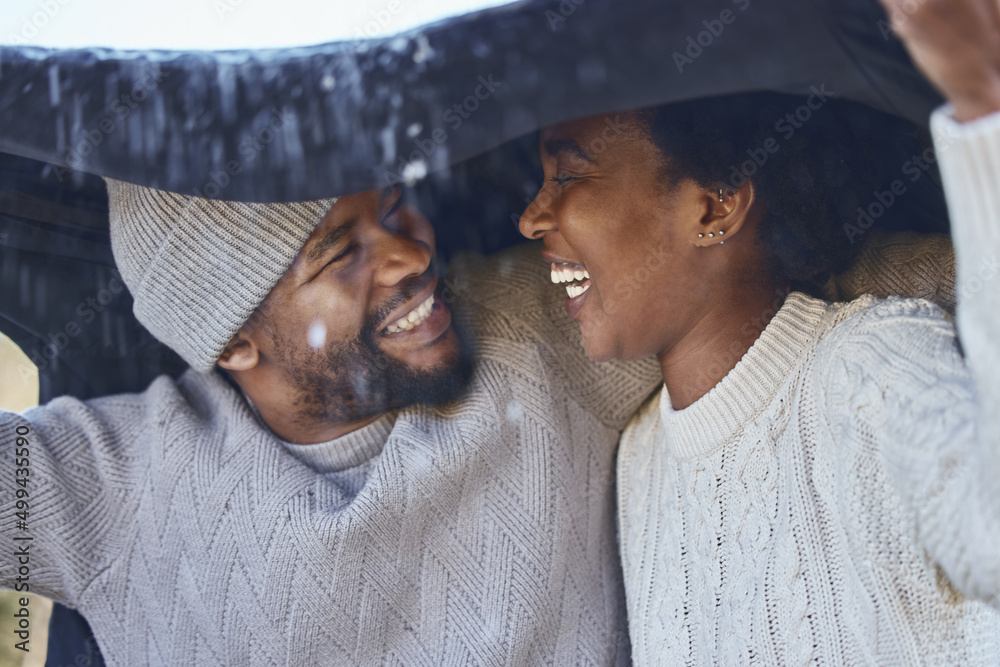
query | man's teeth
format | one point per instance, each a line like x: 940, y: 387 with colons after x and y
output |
x: 413, y: 318
x: 577, y: 290
x: 564, y: 273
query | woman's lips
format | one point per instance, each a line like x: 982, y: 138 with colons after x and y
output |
x: 575, y: 303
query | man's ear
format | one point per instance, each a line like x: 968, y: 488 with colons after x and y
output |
x: 241, y: 353
x: 727, y: 211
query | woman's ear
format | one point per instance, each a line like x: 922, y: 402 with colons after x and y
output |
x: 726, y: 214
x: 240, y: 354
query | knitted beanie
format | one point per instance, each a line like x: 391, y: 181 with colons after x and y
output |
x: 197, y: 268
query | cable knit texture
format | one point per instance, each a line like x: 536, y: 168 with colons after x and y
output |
x: 481, y: 533
x: 835, y: 499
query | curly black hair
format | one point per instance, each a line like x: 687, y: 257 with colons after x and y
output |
x: 813, y: 161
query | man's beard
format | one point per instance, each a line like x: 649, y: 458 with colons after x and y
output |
x: 350, y: 382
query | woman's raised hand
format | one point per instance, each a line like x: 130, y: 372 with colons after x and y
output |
x: 956, y: 43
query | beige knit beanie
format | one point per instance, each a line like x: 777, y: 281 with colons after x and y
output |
x: 198, y: 268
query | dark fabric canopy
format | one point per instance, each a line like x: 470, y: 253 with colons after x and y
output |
x: 456, y: 100
x: 307, y: 123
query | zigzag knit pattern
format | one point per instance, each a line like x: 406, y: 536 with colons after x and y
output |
x: 481, y: 533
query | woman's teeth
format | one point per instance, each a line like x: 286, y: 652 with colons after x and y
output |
x: 414, y: 318
x: 567, y: 273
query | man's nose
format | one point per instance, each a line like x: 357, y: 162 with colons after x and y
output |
x: 400, y: 256
x: 537, y: 221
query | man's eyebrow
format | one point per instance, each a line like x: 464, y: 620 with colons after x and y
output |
x: 330, y: 239
x: 556, y: 146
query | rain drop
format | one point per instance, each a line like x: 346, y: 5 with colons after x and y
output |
x: 317, y: 335
x: 423, y: 52
x: 414, y: 171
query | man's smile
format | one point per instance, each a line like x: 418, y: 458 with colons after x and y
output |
x: 425, y: 320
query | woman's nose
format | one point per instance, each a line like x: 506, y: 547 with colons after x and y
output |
x: 537, y: 221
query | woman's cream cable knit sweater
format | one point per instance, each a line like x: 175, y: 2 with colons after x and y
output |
x: 835, y: 499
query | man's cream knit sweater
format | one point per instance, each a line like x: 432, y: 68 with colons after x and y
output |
x: 481, y: 533
x: 835, y: 500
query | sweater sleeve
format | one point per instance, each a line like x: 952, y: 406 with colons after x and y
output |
x: 926, y: 398
x: 65, y: 497
x: 969, y: 156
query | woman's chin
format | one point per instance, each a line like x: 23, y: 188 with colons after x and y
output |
x: 597, y: 348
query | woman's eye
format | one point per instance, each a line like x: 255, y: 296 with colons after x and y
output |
x: 562, y: 181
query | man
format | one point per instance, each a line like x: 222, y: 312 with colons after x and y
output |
x: 296, y: 498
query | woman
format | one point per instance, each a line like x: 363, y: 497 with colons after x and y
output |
x: 815, y: 482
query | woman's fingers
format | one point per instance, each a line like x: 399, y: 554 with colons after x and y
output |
x: 956, y: 43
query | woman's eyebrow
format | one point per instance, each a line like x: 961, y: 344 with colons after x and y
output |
x: 556, y: 146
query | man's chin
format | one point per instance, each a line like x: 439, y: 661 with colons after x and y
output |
x: 441, y: 381
x: 360, y: 379
x: 437, y: 355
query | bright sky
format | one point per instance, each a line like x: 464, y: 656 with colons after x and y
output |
x: 215, y: 24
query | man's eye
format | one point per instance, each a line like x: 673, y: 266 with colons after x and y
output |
x: 344, y: 253
x: 398, y: 192
x: 562, y: 181
x: 390, y: 220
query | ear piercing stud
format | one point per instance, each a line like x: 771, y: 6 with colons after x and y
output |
x: 720, y: 196
x: 701, y: 236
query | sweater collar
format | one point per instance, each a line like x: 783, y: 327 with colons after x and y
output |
x: 347, y: 451
x: 718, y: 416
